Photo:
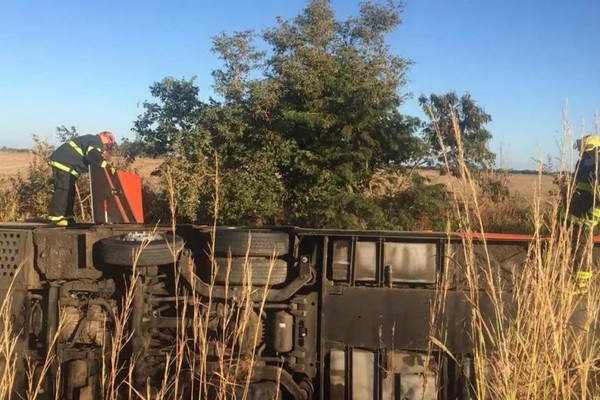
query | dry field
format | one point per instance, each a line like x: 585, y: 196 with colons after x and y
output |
x: 529, y: 186
x: 14, y: 163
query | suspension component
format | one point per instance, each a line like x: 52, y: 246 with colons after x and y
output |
x: 283, y: 332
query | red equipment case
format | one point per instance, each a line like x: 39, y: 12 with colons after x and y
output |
x: 116, y: 198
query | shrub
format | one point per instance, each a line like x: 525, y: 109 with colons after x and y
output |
x: 422, y: 206
x: 35, y: 190
x: 493, y: 185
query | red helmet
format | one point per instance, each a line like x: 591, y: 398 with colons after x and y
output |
x: 108, y: 140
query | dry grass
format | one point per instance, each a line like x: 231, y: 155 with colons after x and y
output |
x: 541, y: 342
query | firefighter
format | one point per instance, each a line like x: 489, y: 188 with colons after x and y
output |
x: 584, y: 207
x: 69, y: 161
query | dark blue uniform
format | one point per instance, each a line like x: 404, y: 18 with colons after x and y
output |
x: 584, y: 213
x: 583, y: 205
x: 69, y: 161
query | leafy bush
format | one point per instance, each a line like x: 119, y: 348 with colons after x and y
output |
x: 35, y: 189
x: 248, y: 196
x: 299, y: 130
x: 493, y: 185
x: 130, y: 150
x: 9, y: 203
x: 422, y: 206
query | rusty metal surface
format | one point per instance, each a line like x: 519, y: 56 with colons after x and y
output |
x: 398, y: 318
x: 370, y: 374
x: 15, y: 257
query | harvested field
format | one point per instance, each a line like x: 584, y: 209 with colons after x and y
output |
x: 527, y: 185
x: 14, y: 163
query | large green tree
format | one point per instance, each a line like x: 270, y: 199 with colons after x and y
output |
x: 299, y: 129
x: 338, y: 92
x: 457, y: 120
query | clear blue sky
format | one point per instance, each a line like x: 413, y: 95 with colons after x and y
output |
x: 89, y: 63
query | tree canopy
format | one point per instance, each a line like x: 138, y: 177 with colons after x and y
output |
x: 451, y: 117
x: 305, y: 113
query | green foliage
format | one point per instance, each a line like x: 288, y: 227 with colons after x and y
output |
x: 324, y: 113
x: 423, y: 206
x: 176, y: 111
x: 252, y: 195
x: 35, y: 189
x: 494, y: 185
x: 9, y: 203
x: 65, y: 134
x: 450, y: 116
x: 339, y: 92
x: 299, y: 130
x: 240, y: 57
x: 133, y: 149
x: 183, y: 180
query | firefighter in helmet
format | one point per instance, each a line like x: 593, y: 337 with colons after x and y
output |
x: 69, y: 161
x: 584, y: 206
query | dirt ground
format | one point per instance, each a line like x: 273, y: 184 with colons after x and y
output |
x: 14, y: 163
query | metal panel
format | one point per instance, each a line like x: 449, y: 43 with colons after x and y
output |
x: 340, y: 264
x: 500, y: 261
x: 409, y: 376
x: 398, y: 318
x: 337, y: 374
x: 12, y: 255
x: 365, y: 264
x: 411, y: 262
x: 115, y: 198
x: 363, y: 375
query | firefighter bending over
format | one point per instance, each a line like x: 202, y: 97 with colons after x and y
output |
x: 69, y: 161
x: 584, y: 206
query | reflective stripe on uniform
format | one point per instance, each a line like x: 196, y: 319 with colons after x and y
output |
x: 63, y: 167
x: 76, y: 148
x: 103, y: 165
x: 582, y: 279
x: 56, y: 218
x: 595, y: 215
x: 589, y: 222
x: 90, y: 148
x: 584, y: 275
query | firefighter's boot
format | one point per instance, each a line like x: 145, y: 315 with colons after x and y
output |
x: 59, y: 221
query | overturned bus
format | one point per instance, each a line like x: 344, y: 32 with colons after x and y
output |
x: 122, y: 309
x: 242, y: 312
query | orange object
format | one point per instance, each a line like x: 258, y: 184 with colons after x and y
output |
x: 508, y: 236
x: 116, y: 198
x: 132, y: 190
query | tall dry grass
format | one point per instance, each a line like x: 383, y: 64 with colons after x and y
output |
x: 541, y: 342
